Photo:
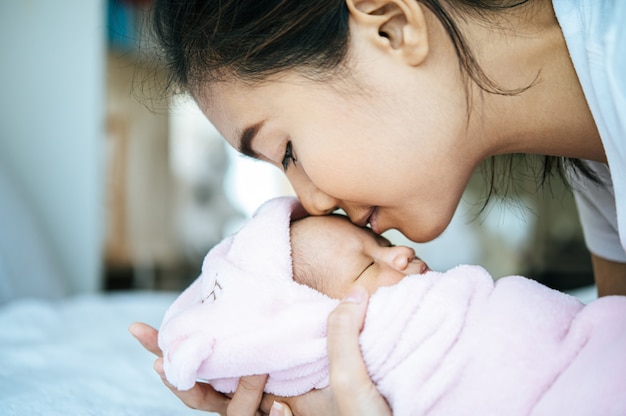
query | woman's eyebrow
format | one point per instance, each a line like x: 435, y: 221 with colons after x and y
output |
x: 247, y: 137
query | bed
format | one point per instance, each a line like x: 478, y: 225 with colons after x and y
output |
x: 62, y: 353
x: 74, y: 356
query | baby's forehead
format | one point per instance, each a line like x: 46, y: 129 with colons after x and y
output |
x: 321, y: 225
x: 314, y: 242
x: 314, y: 231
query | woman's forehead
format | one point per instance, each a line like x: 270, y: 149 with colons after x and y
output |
x: 233, y: 107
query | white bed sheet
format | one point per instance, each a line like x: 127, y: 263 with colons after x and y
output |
x: 75, y: 357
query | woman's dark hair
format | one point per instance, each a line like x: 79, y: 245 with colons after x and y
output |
x: 203, y: 40
x: 250, y: 39
x: 253, y: 39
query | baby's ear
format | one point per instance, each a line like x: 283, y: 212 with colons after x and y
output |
x: 398, y: 27
x: 182, y: 361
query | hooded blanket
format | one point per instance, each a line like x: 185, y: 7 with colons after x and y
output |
x: 438, y: 343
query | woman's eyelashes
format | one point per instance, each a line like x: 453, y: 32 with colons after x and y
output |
x: 288, y: 157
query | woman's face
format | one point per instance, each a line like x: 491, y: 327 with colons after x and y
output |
x: 387, y: 146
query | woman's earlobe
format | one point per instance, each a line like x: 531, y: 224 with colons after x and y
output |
x: 397, y: 26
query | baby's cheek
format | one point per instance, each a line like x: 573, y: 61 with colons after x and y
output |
x: 339, y: 290
x: 388, y: 278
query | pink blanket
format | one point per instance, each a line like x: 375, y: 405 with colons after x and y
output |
x: 455, y: 343
x: 440, y: 343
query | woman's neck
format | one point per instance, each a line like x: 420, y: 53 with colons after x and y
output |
x: 551, y: 117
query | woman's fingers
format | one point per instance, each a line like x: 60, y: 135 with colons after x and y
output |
x: 344, y: 326
x: 247, y: 397
x: 280, y: 409
x: 201, y: 396
x: 353, y: 390
x: 313, y: 403
x: 147, y: 337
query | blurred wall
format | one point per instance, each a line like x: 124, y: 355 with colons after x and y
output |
x: 51, y: 128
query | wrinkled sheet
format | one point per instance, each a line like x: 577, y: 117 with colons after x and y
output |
x: 75, y: 357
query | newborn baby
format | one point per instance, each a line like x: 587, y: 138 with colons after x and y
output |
x: 433, y: 343
x: 330, y: 254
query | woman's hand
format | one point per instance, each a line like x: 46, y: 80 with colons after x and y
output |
x: 245, y: 401
x: 353, y: 391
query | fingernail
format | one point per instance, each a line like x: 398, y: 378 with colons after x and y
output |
x: 277, y: 409
x: 132, y: 330
x: 356, y: 295
x: 158, y: 367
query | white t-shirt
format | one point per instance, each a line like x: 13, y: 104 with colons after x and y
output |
x: 595, y: 33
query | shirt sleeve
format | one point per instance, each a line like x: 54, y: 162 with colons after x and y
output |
x: 598, y: 213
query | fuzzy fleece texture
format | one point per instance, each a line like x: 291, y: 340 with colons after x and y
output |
x: 438, y: 343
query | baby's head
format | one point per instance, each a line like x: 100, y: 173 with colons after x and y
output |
x: 327, y: 253
x: 331, y: 255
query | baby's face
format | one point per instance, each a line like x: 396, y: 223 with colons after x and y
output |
x: 332, y: 255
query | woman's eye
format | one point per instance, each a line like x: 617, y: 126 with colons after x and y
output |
x: 289, y: 157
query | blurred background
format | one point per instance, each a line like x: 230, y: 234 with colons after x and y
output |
x: 104, y: 188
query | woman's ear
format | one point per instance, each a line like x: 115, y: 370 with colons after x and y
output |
x: 396, y: 26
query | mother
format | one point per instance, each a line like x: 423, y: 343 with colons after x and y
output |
x: 385, y: 107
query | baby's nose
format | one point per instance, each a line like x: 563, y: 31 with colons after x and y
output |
x: 405, y: 260
x: 401, y: 257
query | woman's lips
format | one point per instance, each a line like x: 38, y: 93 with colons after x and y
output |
x: 364, y: 220
x: 373, y: 220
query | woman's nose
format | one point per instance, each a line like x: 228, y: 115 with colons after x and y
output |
x: 314, y: 200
